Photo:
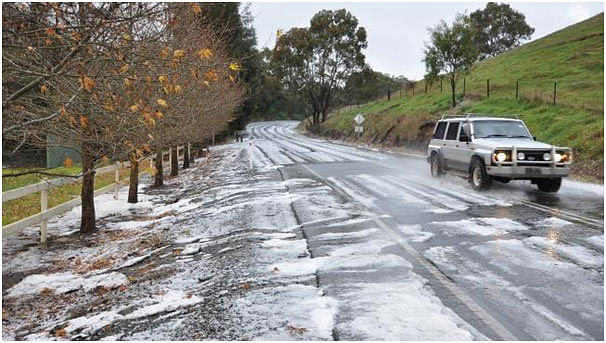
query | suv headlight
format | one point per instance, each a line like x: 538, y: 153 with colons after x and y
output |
x: 562, y: 156
x: 547, y: 156
x: 502, y: 156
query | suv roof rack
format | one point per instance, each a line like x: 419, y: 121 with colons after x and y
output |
x: 469, y: 115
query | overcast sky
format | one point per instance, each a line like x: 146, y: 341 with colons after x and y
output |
x: 397, y: 31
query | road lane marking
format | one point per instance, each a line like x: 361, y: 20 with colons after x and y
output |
x: 475, y: 308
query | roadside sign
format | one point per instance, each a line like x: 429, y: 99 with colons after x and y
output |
x: 359, y: 129
x: 359, y: 118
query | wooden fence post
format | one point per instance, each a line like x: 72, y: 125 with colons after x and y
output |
x: 43, y: 207
x: 117, y: 180
x: 487, y: 88
x: 440, y: 85
x: 517, y: 87
x: 388, y: 95
x: 554, y: 92
x: 463, y: 87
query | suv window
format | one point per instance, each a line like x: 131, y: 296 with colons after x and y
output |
x: 453, y: 129
x: 464, y: 132
x: 440, y: 129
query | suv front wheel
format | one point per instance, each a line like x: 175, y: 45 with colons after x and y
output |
x: 549, y: 185
x: 478, y: 178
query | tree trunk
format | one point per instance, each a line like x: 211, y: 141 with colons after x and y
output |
x: 87, y: 222
x: 452, y: 86
x: 159, y: 177
x: 316, y: 119
x: 174, y: 161
x: 186, y: 156
x: 192, y: 155
x: 133, y: 188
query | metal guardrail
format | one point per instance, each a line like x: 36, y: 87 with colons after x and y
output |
x: 42, y: 187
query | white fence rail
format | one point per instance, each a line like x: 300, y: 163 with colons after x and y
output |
x: 46, y: 213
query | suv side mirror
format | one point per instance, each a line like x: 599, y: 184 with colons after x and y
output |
x: 534, y: 138
x: 464, y: 138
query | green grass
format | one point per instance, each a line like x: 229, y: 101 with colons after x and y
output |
x: 29, y: 205
x: 9, y: 183
x: 572, y: 57
x: 399, y: 115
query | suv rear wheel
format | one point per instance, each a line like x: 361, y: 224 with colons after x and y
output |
x: 436, y: 165
x: 549, y: 185
x: 478, y: 178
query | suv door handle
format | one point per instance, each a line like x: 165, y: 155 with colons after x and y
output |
x: 457, y: 145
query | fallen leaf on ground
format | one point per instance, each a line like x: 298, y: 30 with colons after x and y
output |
x: 101, y: 290
x: 147, y: 268
x: 47, y: 291
x: 276, y: 270
x: 246, y: 286
x: 293, y: 330
x: 59, y: 333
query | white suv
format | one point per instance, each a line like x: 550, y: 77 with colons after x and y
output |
x: 486, y: 148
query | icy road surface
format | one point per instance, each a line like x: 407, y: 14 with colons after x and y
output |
x: 317, y: 241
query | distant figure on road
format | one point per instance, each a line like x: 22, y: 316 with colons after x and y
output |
x: 239, y: 136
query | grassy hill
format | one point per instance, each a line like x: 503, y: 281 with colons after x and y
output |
x: 573, y: 57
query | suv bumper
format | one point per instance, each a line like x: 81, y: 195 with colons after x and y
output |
x: 523, y: 172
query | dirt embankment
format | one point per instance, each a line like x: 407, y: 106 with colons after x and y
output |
x: 407, y: 133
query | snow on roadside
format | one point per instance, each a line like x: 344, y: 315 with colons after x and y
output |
x: 296, y: 306
x: 346, y: 235
x: 171, y: 301
x: 65, y: 282
x: 400, y: 311
x: 379, y: 309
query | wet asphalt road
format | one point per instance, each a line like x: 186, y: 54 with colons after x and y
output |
x: 513, y: 262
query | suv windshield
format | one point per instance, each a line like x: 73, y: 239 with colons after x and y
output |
x: 499, y: 128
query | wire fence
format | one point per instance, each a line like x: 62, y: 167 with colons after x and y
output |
x: 576, y: 95
x: 562, y: 93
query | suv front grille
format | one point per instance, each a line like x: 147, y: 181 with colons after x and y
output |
x: 533, y: 156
